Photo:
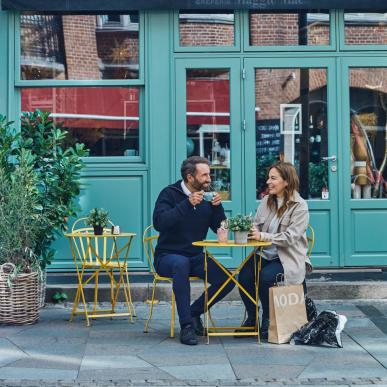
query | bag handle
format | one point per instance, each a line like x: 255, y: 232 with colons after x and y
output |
x: 280, y: 279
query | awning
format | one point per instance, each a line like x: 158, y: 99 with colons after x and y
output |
x: 129, y: 5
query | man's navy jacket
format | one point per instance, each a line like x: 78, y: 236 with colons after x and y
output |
x: 180, y: 223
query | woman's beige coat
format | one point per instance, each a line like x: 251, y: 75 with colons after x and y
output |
x: 290, y: 238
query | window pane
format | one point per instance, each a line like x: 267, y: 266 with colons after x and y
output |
x: 368, y: 128
x: 289, y: 29
x: 365, y: 28
x: 206, y: 29
x: 291, y: 125
x: 79, y: 46
x: 106, y: 119
x: 208, y: 123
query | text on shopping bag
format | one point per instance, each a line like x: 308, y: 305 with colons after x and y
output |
x: 288, y: 299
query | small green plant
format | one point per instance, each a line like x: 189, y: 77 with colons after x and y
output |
x: 59, y: 297
x: 240, y: 223
x: 98, y: 217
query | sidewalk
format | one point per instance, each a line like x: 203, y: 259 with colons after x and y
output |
x: 55, y: 352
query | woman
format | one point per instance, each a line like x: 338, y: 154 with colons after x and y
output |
x: 282, y: 218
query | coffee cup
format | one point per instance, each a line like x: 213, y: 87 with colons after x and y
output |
x: 208, y: 196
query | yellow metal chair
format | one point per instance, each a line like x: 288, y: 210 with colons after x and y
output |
x: 310, y: 237
x: 149, y: 241
x: 95, y: 254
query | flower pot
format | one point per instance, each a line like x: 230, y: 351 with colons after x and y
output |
x: 240, y: 237
x: 98, y: 230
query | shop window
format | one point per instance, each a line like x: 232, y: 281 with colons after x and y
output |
x: 78, y: 47
x: 105, y: 119
x: 368, y: 131
x: 291, y: 125
x: 208, y: 123
x: 365, y: 28
x: 206, y: 29
x: 289, y: 29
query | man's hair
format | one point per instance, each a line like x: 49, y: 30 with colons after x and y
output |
x: 188, y: 166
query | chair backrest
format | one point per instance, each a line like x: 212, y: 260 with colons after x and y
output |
x: 310, y: 237
x: 149, y: 241
x: 86, y: 248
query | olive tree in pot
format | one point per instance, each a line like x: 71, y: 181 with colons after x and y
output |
x: 241, y: 225
x: 44, y: 174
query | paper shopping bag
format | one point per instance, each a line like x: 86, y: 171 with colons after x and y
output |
x: 287, y: 312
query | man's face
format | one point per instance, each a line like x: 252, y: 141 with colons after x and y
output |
x: 201, y: 180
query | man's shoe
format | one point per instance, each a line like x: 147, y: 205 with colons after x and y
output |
x: 188, y: 336
x: 247, y: 324
x: 198, y: 325
x: 264, y: 330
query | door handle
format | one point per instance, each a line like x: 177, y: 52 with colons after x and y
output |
x: 329, y: 158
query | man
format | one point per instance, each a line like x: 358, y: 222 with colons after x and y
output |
x: 182, y: 216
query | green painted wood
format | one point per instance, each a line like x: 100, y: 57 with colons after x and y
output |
x: 124, y: 197
x: 327, y: 210
x: 4, y: 85
x: 236, y: 204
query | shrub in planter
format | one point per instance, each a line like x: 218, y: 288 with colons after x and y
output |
x: 40, y: 182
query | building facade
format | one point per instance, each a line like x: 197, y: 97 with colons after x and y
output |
x: 242, y: 85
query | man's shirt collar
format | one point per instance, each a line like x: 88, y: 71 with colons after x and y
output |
x: 185, y: 189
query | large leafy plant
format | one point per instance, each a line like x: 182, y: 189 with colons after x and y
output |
x: 57, y: 169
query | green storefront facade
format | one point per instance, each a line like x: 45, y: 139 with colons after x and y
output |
x: 317, y: 99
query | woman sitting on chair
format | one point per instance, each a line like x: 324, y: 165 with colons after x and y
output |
x: 282, y: 218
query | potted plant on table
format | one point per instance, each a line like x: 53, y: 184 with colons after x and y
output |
x: 241, y: 225
x: 98, y: 218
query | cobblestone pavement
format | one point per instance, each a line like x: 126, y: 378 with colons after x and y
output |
x: 55, y: 352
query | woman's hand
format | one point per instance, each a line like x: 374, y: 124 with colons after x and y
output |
x: 255, y: 234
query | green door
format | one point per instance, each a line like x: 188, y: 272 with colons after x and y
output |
x: 364, y: 149
x: 290, y: 113
x: 208, y: 123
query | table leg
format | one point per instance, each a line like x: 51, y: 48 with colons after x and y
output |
x: 206, y: 295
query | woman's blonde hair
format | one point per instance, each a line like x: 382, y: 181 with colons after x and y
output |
x: 289, y: 174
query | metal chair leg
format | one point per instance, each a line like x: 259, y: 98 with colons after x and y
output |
x: 151, y: 307
x: 173, y: 302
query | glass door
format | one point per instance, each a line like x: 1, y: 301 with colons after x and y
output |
x: 290, y: 116
x: 364, y: 118
x: 208, y: 124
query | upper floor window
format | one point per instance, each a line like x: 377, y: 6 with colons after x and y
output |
x: 76, y: 47
x: 365, y: 28
x: 290, y: 29
x: 206, y: 29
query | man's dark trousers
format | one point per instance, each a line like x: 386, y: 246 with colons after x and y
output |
x: 180, y: 268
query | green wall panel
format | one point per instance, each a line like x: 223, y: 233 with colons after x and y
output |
x: 125, y: 199
x: 369, y: 230
x: 4, y: 63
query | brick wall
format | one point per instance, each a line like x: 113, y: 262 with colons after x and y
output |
x: 366, y: 34
x: 81, y: 47
x: 206, y: 34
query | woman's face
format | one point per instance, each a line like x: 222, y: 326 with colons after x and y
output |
x: 275, y: 183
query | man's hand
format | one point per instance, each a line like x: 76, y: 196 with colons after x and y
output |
x: 196, y: 198
x: 217, y: 200
x: 254, y: 234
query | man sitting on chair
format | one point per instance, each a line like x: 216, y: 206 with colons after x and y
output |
x: 182, y: 216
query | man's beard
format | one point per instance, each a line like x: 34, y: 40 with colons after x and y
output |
x: 200, y: 186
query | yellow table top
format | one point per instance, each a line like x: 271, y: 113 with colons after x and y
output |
x: 230, y: 243
x: 104, y: 235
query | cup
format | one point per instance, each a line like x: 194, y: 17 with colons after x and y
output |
x: 208, y: 196
x: 116, y: 230
x: 222, y: 235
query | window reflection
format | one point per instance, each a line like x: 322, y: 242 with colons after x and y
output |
x: 106, y: 120
x: 365, y: 28
x: 291, y: 125
x: 208, y: 123
x: 206, y: 29
x: 289, y: 29
x: 79, y: 46
x: 368, y: 129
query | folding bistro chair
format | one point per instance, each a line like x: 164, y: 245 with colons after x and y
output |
x: 149, y: 241
x: 93, y: 254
